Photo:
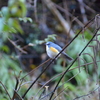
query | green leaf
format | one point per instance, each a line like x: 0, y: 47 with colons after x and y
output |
x: 58, y: 68
x: 1, y: 25
x: 26, y: 19
x: 5, y: 12
x: 5, y: 48
x: 14, y: 26
x: 17, y: 26
x: 70, y: 86
x: 17, y: 8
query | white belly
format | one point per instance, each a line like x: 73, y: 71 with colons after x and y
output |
x: 50, y: 53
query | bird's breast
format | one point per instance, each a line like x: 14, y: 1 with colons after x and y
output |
x: 52, y: 52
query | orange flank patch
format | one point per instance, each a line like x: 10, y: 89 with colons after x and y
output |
x: 54, y: 50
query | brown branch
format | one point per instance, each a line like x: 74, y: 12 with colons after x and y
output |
x: 65, y: 87
x: 17, y: 96
x: 17, y: 82
x: 59, y: 17
x: 32, y: 72
x: 16, y: 86
x: 5, y: 90
x: 69, y: 14
x: 35, y: 10
x: 82, y: 9
x: 87, y: 94
x: 14, y: 44
x: 35, y: 68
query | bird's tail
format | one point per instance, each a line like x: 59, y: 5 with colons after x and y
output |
x: 68, y: 57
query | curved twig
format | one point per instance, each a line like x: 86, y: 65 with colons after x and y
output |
x: 14, y: 44
x: 35, y: 68
x: 79, y: 63
x: 32, y: 72
x: 87, y: 94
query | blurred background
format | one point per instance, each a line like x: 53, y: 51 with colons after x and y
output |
x: 25, y: 27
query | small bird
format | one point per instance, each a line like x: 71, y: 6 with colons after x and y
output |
x: 53, y: 49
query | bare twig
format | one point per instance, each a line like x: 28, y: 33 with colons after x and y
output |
x: 18, y: 97
x: 69, y: 14
x: 5, y: 90
x: 95, y: 63
x: 16, y: 86
x: 37, y: 78
x: 87, y: 94
x: 32, y: 72
x: 88, y: 8
x: 66, y: 86
x: 14, y: 44
x: 75, y: 18
x: 79, y: 63
x: 35, y: 10
x: 35, y: 69
x: 59, y: 87
x: 82, y: 9
x: 66, y: 8
x: 60, y: 18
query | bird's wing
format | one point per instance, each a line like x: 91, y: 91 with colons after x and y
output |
x: 58, y: 47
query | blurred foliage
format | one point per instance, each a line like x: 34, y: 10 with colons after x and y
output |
x: 49, y: 38
x: 9, y: 23
x: 26, y: 19
x: 9, y: 19
x: 9, y: 68
x: 82, y: 74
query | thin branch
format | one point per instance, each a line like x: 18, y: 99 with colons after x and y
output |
x: 69, y: 14
x: 35, y: 69
x: 59, y: 87
x: 59, y: 17
x: 18, y: 97
x: 35, y: 10
x: 82, y: 9
x: 88, y: 8
x: 87, y: 94
x: 66, y: 86
x: 14, y: 44
x: 5, y: 90
x: 16, y: 86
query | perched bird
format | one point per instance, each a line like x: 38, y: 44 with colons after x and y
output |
x: 53, y: 49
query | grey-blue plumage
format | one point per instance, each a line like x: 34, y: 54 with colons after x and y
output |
x: 58, y: 48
